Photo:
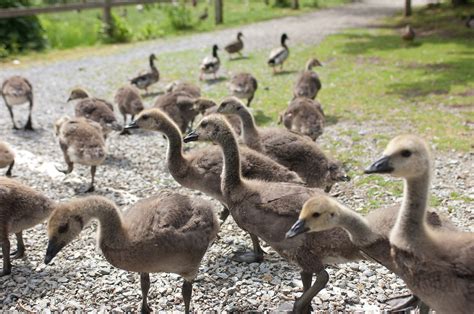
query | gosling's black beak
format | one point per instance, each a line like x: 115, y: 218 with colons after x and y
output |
x: 131, y: 125
x: 297, y: 228
x: 191, y: 137
x: 380, y: 166
x: 51, y: 251
x: 69, y: 99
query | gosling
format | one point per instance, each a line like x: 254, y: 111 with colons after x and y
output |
x: 168, y: 232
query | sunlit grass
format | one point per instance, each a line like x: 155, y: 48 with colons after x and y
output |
x: 73, y: 29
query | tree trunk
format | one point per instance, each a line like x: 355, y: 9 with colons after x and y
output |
x: 219, y: 11
x: 108, y: 16
x: 295, y: 4
x: 458, y: 2
x: 407, y: 7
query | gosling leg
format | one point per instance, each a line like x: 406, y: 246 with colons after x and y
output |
x: 70, y: 164
x: 91, y: 187
x: 187, y: 290
x: 307, y: 279
x: 250, y: 257
x: 10, y: 110
x: 304, y: 302
x: 9, y: 171
x: 249, y: 100
x: 145, y: 285
x: 125, y: 132
x: 20, y: 246
x: 224, y: 215
x: 7, y: 266
x: 28, y: 125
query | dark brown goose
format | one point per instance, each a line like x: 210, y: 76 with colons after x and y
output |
x: 143, y: 81
x: 235, y: 46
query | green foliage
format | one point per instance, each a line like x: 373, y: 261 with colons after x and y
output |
x: 20, y: 34
x: 117, y: 32
x: 282, y: 4
x: 179, y: 16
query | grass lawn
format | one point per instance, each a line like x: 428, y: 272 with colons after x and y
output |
x: 371, y: 76
x: 73, y: 29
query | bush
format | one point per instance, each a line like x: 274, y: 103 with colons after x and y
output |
x: 282, y: 4
x: 117, y: 32
x: 20, y: 33
x: 179, y: 16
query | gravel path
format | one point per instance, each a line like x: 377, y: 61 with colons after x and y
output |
x: 80, y: 278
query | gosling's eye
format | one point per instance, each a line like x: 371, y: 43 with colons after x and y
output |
x: 316, y: 215
x: 145, y: 117
x: 332, y: 214
x: 224, y: 104
x: 63, y: 228
x: 332, y: 167
x: 204, y: 124
x: 406, y: 153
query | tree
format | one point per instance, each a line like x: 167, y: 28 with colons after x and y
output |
x: 407, y: 7
x: 20, y: 33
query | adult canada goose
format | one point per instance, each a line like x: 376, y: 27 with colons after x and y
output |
x: 304, y: 116
x: 235, y: 46
x: 168, y: 232
x: 129, y: 101
x: 95, y: 109
x: 206, y: 107
x: 279, y: 55
x: 243, y: 85
x: 268, y: 209
x: 437, y: 265
x: 7, y: 158
x: 201, y: 169
x: 308, y: 84
x: 294, y: 151
x: 370, y: 233
x: 17, y: 90
x: 210, y: 64
x: 81, y: 142
x: 184, y: 88
x: 143, y: 81
x: 21, y: 208
x: 408, y: 34
x: 179, y: 107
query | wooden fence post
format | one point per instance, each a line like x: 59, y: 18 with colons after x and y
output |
x: 108, y: 16
x: 219, y: 11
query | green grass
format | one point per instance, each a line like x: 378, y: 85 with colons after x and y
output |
x: 74, y: 29
x: 426, y: 87
x: 371, y: 76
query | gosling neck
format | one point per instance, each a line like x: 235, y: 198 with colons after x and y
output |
x: 357, y: 227
x: 174, y: 155
x: 309, y: 66
x: 231, y: 172
x: 111, y: 232
x: 410, y: 227
x: 249, y: 130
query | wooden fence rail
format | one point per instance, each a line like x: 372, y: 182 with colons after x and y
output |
x: 17, y: 12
